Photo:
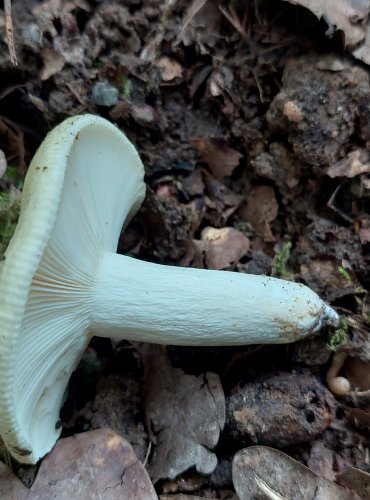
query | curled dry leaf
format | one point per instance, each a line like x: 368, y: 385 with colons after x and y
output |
x: 224, y: 247
x: 364, y: 235
x: 356, y: 480
x: 360, y: 419
x: 261, y: 209
x: 185, y: 415
x: 54, y: 62
x: 194, y: 184
x: 95, y: 465
x: 221, y: 159
x: 143, y: 114
x: 201, y: 24
x: 262, y: 472
x: 170, y: 69
x: 348, y: 16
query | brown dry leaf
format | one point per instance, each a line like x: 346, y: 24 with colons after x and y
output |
x: 346, y: 15
x: 221, y: 159
x: 170, y: 69
x: 189, y: 482
x: 194, y: 184
x: 72, y: 50
x: 261, y: 209
x: 356, y: 480
x: 221, y: 201
x: 48, y: 11
x: 143, y: 114
x: 184, y: 413
x: 224, y: 247
x: 201, y: 25
x: 54, y: 62
x: 192, y: 11
x: 68, y: 44
x: 356, y: 163
x: 262, y: 472
x: 359, y: 418
x: 95, y: 465
x: 364, y: 235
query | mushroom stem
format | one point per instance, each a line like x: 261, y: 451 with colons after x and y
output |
x: 148, y: 302
x: 339, y: 386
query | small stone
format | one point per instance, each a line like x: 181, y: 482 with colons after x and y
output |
x: 32, y: 36
x: 104, y: 94
x: 292, y: 112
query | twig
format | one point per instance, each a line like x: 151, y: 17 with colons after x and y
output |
x: 9, y: 31
x: 240, y: 27
x: 234, y: 21
x: 331, y: 204
x: 191, y: 13
x: 147, y: 454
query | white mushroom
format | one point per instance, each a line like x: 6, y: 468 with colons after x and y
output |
x: 61, y: 283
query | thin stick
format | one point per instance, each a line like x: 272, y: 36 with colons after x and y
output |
x: 147, y: 454
x: 9, y: 31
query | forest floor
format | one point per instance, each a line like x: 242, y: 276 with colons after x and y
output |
x: 253, y: 126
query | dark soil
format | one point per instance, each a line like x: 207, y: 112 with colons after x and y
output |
x: 236, y: 129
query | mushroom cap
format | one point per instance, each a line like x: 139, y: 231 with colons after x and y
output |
x: 84, y: 180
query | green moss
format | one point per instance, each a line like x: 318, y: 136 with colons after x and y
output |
x: 346, y: 275
x: 338, y: 336
x: 13, y: 176
x: 9, y: 213
x: 125, y: 86
x: 280, y: 264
